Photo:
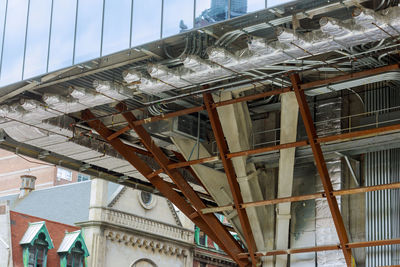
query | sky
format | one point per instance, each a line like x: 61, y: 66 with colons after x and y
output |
x: 58, y: 34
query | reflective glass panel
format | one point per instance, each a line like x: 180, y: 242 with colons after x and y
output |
x: 178, y: 16
x: 14, y: 41
x: 2, y: 17
x: 254, y: 5
x: 117, y: 25
x: 62, y: 34
x: 272, y: 3
x: 37, y: 38
x: 88, y: 30
x: 241, y: 7
x: 210, y: 11
x: 146, y: 22
x: 238, y: 8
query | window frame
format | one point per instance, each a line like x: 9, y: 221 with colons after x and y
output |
x: 83, y: 177
x: 77, y: 248
x: 39, y: 243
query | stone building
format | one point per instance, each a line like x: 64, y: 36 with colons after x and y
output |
x: 32, y: 241
x: 121, y: 225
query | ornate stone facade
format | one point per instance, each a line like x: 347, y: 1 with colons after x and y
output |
x: 125, y: 232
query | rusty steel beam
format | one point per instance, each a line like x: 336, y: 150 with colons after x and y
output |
x: 346, y: 77
x: 320, y: 140
x: 374, y: 243
x: 293, y: 251
x: 217, y: 232
x: 321, y: 166
x: 318, y: 195
x: 267, y: 149
x: 163, y: 161
x: 183, y: 163
x: 230, y: 174
x: 182, y: 159
x: 304, y: 86
x: 198, y: 109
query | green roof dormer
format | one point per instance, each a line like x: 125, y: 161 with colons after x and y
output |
x: 73, y: 250
x: 32, y: 234
x: 36, y: 242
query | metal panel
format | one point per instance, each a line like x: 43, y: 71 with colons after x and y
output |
x: 382, y: 219
x: 31, y: 232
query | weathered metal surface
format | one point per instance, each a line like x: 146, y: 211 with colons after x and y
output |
x: 230, y: 174
x: 342, y: 192
x: 223, y: 238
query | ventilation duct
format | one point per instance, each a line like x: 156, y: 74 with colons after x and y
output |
x: 89, y: 98
x: 201, y: 70
x: 365, y: 27
x: 112, y: 90
x: 388, y: 76
x: 146, y: 85
x: 182, y: 126
x: 259, y: 46
x: 335, y: 28
x: 333, y: 35
x: 63, y: 104
x: 27, y: 110
x: 169, y: 76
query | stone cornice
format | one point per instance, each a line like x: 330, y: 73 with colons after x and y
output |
x: 146, y: 243
x: 212, y: 257
x: 126, y: 221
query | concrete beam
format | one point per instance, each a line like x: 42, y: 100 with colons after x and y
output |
x: 288, y: 132
x: 214, y: 181
x: 237, y: 127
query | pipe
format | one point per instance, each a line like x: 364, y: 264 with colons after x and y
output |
x: 183, y: 52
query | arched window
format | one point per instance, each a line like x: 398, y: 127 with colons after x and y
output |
x: 38, y: 252
x: 75, y: 258
x: 144, y: 263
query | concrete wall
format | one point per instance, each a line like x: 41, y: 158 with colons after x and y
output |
x: 130, y: 202
x: 5, y: 236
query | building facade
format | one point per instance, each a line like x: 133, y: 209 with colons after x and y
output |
x: 120, y: 226
x: 32, y: 241
x: 13, y: 165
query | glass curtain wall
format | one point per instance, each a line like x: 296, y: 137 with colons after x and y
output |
x: 40, y: 36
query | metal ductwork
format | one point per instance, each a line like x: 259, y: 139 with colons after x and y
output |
x: 366, y: 26
x: 388, y: 76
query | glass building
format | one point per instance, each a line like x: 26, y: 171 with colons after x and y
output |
x: 40, y: 36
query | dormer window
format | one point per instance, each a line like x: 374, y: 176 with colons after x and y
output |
x: 75, y: 258
x: 72, y: 250
x: 38, y: 252
x: 36, y: 242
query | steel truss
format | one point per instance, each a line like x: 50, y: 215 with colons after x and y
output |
x: 192, y: 205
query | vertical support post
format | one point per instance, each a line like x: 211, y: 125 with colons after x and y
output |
x: 230, y: 174
x: 321, y: 166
